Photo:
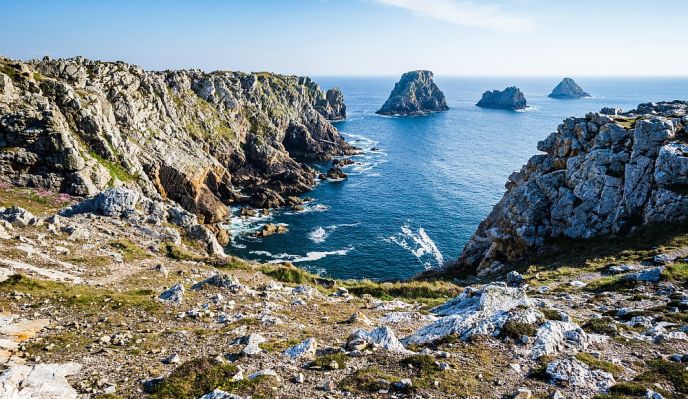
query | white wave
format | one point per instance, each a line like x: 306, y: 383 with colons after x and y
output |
x: 420, y: 245
x: 308, y: 208
x: 320, y: 234
x: 309, y: 257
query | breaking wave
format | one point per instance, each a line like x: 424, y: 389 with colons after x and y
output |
x: 420, y: 245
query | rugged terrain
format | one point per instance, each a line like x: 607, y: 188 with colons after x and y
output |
x: 599, y: 175
x: 568, y: 89
x: 115, y: 303
x: 510, y: 98
x: 202, y: 140
x: 414, y: 94
x: 128, y: 294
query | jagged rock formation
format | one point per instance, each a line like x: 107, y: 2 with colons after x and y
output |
x: 599, y: 175
x: 203, y: 140
x: 510, y: 98
x: 332, y: 107
x: 568, y: 89
x: 414, y: 94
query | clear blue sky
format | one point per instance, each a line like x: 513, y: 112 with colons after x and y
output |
x: 359, y: 37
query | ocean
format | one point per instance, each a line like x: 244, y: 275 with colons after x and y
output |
x: 413, y: 204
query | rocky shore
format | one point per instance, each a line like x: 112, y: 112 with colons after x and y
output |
x: 108, y: 302
x: 600, y: 175
x: 202, y: 140
x: 510, y: 98
x: 114, y: 283
x: 414, y: 94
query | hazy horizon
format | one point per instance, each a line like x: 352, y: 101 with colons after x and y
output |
x: 528, y: 38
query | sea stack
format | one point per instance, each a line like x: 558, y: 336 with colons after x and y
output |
x: 332, y: 107
x: 510, y: 98
x: 568, y: 89
x: 414, y: 94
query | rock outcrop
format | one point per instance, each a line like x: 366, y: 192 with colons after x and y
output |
x: 332, y: 107
x: 568, y: 89
x: 203, y: 140
x: 599, y: 175
x: 510, y: 98
x: 414, y: 94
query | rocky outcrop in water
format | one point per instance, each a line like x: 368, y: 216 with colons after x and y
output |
x: 414, y: 94
x: 568, y: 89
x: 599, y: 175
x: 203, y: 140
x: 510, y: 98
x: 332, y: 107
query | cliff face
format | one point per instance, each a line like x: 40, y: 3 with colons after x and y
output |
x: 568, y: 89
x: 510, y: 98
x: 414, y: 94
x: 332, y: 107
x: 201, y: 139
x: 599, y: 175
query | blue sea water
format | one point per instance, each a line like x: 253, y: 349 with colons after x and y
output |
x: 413, y: 204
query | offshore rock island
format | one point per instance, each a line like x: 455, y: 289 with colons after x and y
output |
x: 414, y: 94
x: 568, y: 89
x: 113, y: 283
x: 510, y: 98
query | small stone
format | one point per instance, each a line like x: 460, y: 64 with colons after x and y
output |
x: 299, y: 378
x: 328, y: 385
x: 523, y: 393
x: 172, y: 359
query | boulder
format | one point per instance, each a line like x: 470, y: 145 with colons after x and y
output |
x: 173, y: 295
x: 40, y: 381
x: 510, y: 98
x: 381, y: 337
x: 304, y: 350
x: 568, y: 89
x: 17, y: 216
x: 118, y: 201
x: 270, y: 229
x: 220, y: 280
x: 478, y: 312
x: 220, y: 394
x: 556, y: 336
x: 415, y: 94
x: 575, y: 374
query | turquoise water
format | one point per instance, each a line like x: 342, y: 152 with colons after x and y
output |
x: 414, y: 204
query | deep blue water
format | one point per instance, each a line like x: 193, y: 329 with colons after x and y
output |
x: 414, y: 204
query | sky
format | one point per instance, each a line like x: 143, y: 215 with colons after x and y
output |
x: 359, y: 37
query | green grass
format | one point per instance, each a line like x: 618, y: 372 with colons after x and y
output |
x: 37, y: 202
x: 516, y: 330
x: 613, y: 283
x: 116, y: 171
x: 80, y: 296
x: 596, y: 363
x: 424, y: 365
x: 660, y: 370
x: 179, y: 252
x: 10, y: 70
x: 602, y: 325
x: 326, y: 360
x: 403, y: 289
x: 130, y: 251
x: 288, y: 274
x: 551, y: 314
x: 197, y: 377
x: 366, y: 380
x: 676, y: 272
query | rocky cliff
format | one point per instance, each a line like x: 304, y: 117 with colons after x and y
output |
x: 203, y: 140
x: 599, y: 175
x: 568, y: 89
x: 510, y: 98
x: 332, y: 107
x: 414, y: 94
